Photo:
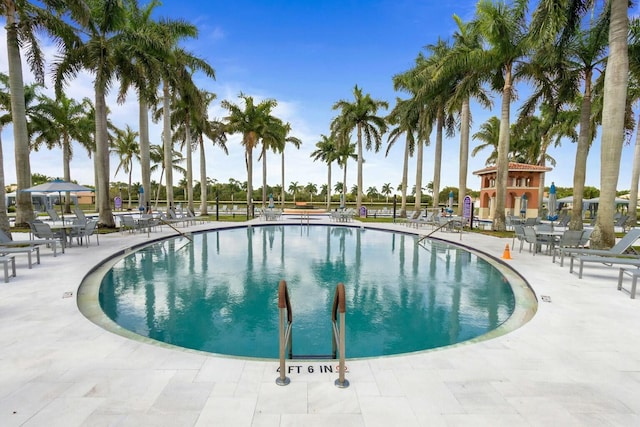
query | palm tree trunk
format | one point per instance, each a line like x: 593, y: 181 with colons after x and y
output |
x: 249, y: 160
x: 502, y: 173
x: 613, y: 114
x: 329, y: 186
x: 405, y: 173
x: 465, y: 124
x: 145, y: 157
x: 203, y: 179
x: 189, y: 176
x: 264, y: 175
x: 344, y: 185
x: 102, y: 159
x: 437, y: 158
x: 582, y: 152
x: 129, y: 186
x: 66, y: 161
x: 360, y: 161
x: 168, y: 143
x: 4, y: 218
x: 419, y: 160
x: 282, y: 179
x: 159, y: 187
x: 635, y: 176
x: 24, y: 207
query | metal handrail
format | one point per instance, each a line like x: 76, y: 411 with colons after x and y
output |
x: 338, y: 313
x: 284, y: 304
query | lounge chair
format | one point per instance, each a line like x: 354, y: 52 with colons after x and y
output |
x: 127, y: 223
x: 606, y: 260
x: 620, y: 248
x: 53, y: 215
x: 6, y: 260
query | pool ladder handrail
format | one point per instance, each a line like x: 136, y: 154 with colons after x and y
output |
x: 285, y: 321
x: 338, y: 314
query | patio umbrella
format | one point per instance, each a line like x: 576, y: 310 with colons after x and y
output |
x: 58, y: 186
x: 523, y: 205
x: 141, y: 206
x: 552, y: 203
x: 271, y: 205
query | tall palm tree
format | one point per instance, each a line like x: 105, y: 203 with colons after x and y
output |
x: 634, y: 97
x: 156, y: 153
x: 346, y: 151
x: 62, y: 121
x: 406, y: 118
x: 105, y: 51
x: 292, y: 140
x: 127, y: 149
x: 177, y: 74
x: 23, y: 19
x: 468, y: 85
x: 273, y: 138
x: 505, y: 31
x: 5, y: 119
x: 360, y: 115
x: 613, y: 122
x: 250, y: 123
x: 326, y: 151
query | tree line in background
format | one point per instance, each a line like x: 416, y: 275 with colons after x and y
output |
x: 560, y: 48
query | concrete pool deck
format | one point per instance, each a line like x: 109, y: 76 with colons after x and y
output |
x: 576, y: 363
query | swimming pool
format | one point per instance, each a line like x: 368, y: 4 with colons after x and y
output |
x: 219, y: 293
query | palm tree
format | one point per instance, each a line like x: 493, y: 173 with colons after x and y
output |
x: 296, y: 142
x: 345, y: 152
x: 105, y: 52
x: 312, y: 189
x: 386, y: 191
x: 406, y: 117
x: 249, y: 122
x: 489, y: 135
x: 294, y: 187
x: 371, y: 193
x: 613, y: 122
x: 326, y: 151
x: 156, y: 153
x: 177, y: 74
x: 634, y: 97
x: 504, y: 30
x: 468, y: 85
x: 361, y: 116
x: 127, y: 149
x: 62, y: 121
x: 5, y: 119
x: 273, y: 138
x: 23, y: 19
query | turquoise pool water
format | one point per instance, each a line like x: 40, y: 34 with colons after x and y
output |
x: 219, y: 293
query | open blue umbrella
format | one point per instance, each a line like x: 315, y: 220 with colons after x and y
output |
x: 552, y: 203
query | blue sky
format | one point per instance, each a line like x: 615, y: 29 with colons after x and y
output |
x: 307, y: 56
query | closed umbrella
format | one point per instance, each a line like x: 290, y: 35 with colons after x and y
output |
x: 58, y: 186
x: 552, y: 203
x: 271, y: 205
x: 141, y: 206
x: 450, y: 207
x: 523, y: 205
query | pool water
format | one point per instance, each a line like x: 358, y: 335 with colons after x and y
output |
x: 219, y: 293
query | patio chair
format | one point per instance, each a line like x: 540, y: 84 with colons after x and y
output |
x: 623, y: 246
x: 518, y: 233
x: 569, y: 239
x: 22, y: 246
x: 127, y: 223
x: 537, y: 240
x: 606, y: 260
x: 90, y: 229
x: 43, y: 230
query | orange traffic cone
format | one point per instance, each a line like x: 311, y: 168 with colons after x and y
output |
x: 507, y: 253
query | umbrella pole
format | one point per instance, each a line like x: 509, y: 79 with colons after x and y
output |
x: 61, y: 206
